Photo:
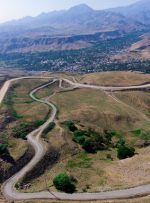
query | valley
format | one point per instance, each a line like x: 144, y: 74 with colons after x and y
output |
x: 97, y: 57
x: 139, y: 50
x: 79, y: 39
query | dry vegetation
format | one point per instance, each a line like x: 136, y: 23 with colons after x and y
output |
x: 99, y: 111
x: 139, y: 200
x: 138, y: 50
x: 115, y: 78
x: 25, y: 110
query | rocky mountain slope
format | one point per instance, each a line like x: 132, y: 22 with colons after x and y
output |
x: 80, y: 19
x: 139, y: 11
x: 76, y: 28
x: 138, y: 50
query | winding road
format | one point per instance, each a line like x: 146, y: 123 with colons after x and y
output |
x: 34, y: 139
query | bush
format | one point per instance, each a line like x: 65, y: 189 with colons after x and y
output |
x: 9, y: 103
x: 38, y: 123
x: 64, y: 183
x: 108, y: 136
x: 70, y: 124
x: 88, y: 146
x: 80, y: 133
x: 92, y: 141
x: 3, y: 148
x: 124, y: 152
x: 99, y: 141
x: 49, y: 128
x: 22, y: 129
x: 121, y: 142
x: 79, y: 140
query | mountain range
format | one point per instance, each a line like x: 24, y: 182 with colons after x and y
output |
x: 139, y: 11
x: 76, y: 28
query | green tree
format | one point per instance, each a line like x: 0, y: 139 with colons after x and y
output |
x: 88, y: 146
x: 70, y: 124
x: 124, y: 152
x: 64, y: 183
x: 108, y: 135
x: 3, y: 148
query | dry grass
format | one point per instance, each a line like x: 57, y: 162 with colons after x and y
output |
x: 116, y: 78
x: 92, y: 108
x: 67, y: 75
x: 94, y: 170
x: 17, y: 147
x: 100, y: 111
x: 24, y: 105
x: 136, y: 200
x: 138, y: 50
x: 139, y: 100
x: 48, y: 91
x: 29, y: 110
x: 97, y: 110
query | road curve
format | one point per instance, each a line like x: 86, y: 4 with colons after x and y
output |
x: 8, y: 188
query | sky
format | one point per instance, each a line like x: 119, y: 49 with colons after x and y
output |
x: 15, y: 9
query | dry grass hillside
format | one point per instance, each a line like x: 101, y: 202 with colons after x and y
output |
x: 98, y: 110
x: 138, y: 50
x: 115, y: 78
x: 121, y: 112
x: 138, y: 200
x: 18, y: 108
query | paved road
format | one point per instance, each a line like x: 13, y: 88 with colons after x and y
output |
x: 8, y: 188
x: 108, y: 88
x: 34, y: 139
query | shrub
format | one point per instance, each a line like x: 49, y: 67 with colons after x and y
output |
x: 92, y: 141
x: 3, y: 148
x: 49, y: 128
x: 88, y: 146
x: 137, y: 131
x: 99, y: 141
x: 121, y: 142
x: 108, y: 136
x: 81, y: 133
x: 38, y: 123
x: 80, y: 139
x: 64, y: 183
x: 9, y: 103
x: 124, y: 152
x: 70, y: 124
x: 22, y: 129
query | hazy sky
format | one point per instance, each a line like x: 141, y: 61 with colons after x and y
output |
x: 14, y: 9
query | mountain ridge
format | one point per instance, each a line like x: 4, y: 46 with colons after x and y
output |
x: 75, y: 16
x: 57, y: 30
x: 139, y: 11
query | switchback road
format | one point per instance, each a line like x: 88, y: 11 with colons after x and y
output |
x: 34, y: 139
